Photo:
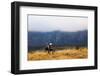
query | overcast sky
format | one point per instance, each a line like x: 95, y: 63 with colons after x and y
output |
x: 42, y: 23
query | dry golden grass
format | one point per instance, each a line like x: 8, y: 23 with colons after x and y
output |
x: 81, y: 53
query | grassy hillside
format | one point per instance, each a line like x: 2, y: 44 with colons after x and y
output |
x: 71, y: 53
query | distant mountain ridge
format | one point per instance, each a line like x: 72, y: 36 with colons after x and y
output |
x: 58, y: 38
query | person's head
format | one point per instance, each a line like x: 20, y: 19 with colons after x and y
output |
x: 50, y: 43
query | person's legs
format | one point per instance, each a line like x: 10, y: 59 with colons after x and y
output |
x: 48, y: 51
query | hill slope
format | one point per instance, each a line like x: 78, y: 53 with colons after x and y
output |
x: 58, y: 38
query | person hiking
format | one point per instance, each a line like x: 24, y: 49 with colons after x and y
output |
x: 50, y: 48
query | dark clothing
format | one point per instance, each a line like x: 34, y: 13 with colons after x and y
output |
x: 50, y: 48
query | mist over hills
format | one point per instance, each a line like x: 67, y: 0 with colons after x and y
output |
x: 58, y: 38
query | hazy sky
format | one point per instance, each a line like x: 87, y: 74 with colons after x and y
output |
x: 43, y: 23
